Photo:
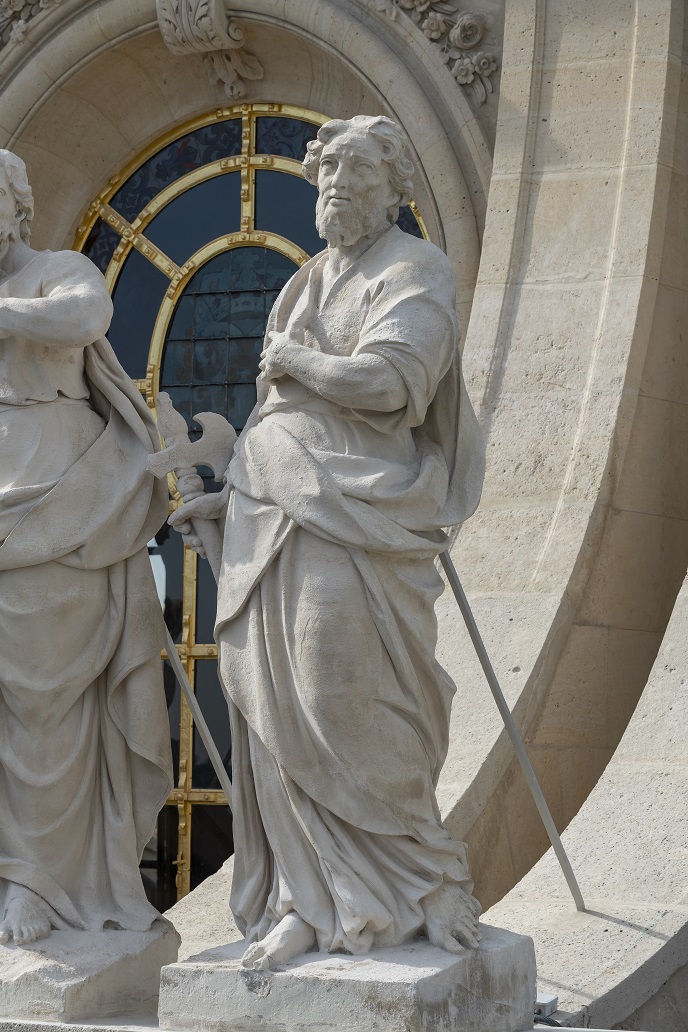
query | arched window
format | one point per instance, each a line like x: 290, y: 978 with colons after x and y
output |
x: 196, y: 237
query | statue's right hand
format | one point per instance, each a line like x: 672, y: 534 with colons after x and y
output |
x: 211, y: 506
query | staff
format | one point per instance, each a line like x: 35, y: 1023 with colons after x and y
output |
x: 214, y: 449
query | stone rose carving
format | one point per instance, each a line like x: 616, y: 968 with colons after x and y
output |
x: 205, y: 27
x: 456, y: 33
x: 15, y: 16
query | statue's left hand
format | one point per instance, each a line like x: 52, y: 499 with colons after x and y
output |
x: 272, y: 358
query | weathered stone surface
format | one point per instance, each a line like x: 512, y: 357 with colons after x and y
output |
x: 75, y: 975
x: 413, y: 988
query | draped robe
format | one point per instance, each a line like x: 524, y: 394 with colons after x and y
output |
x: 84, y: 738
x: 326, y: 626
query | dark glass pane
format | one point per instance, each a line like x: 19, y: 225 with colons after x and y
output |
x: 270, y: 298
x: 409, y: 223
x: 211, y: 315
x: 206, y: 604
x: 219, y: 140
x: 100, y: 244
x: 213, y: 705
x: 248, y: 268
x: 286, y: 137
x: 243, y: 359
x: 137, y: 297
x: 173, y: 698
x: 211, y: 841
x: 248, y: 317
x: 201, y: 214
x: 209, y: 398
x: 178, y: 358
x: 285, y: 204
x: 220, y: 332
x: 241, y: 397
x: 214, y: 277
x: 182, y: 327
x: 210, y: 361
x: 158, y: 868
x: 170, y: 549
x: 278, y: 269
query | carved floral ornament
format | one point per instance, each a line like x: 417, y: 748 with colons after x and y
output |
x: 15, y: 16
x: 206, y: 27
x: 458, y: 33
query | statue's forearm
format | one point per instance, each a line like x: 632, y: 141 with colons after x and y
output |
x: 70, y: 319
x: 366, y: 381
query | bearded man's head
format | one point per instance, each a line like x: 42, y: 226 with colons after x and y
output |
x: 352, y: 204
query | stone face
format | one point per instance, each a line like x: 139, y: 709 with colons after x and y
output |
x: 73, y: 975
x: 412, y: 988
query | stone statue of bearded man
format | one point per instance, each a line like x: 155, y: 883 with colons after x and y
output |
x: 84, y: 742
x: 363, y: 446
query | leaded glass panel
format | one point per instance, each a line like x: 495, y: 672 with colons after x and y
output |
x: 286, y: 137
x: 213, y: 703
x: 137, y: 298
x: 211, y: 841
x: 210, y: 362
x: 206, y: 211
x: 285, y: 204
x: 209, y: 143
x: 409, y: 223
x: 101, y: 243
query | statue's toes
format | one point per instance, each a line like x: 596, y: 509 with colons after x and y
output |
x: 252, y: 955
x: 5, y: 935
x: 467, y: 935
x: 450, y: 944
x: 263, y: 963
x: 476, y: 908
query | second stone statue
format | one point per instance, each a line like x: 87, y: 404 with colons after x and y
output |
x: 85, y: 761
x: 362, y: 448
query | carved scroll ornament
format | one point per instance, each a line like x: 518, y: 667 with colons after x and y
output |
x: 206, y: 27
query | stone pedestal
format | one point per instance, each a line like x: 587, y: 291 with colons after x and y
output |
x: 72, y: 975
x: 414, y: 988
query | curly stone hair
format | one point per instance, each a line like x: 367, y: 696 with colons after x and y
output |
x: 15, y: 170
x: 391, y: 137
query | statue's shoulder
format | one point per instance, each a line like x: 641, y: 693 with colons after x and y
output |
x: 411, y: 263
x: 70, y: 262
x: 403, y: 249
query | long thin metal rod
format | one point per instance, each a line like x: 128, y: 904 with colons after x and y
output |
x: 521, y: 755
x: 199, y: 719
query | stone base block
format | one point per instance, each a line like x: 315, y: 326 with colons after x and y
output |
x: 72, y: 976
x: 413, y: 988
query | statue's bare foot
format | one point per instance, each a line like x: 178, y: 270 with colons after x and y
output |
x: 27, y: 917
x: 287, y: 940
x: 451, y: 918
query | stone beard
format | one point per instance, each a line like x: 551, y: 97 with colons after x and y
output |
x: 363, y: 446
x: 344, y: 228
